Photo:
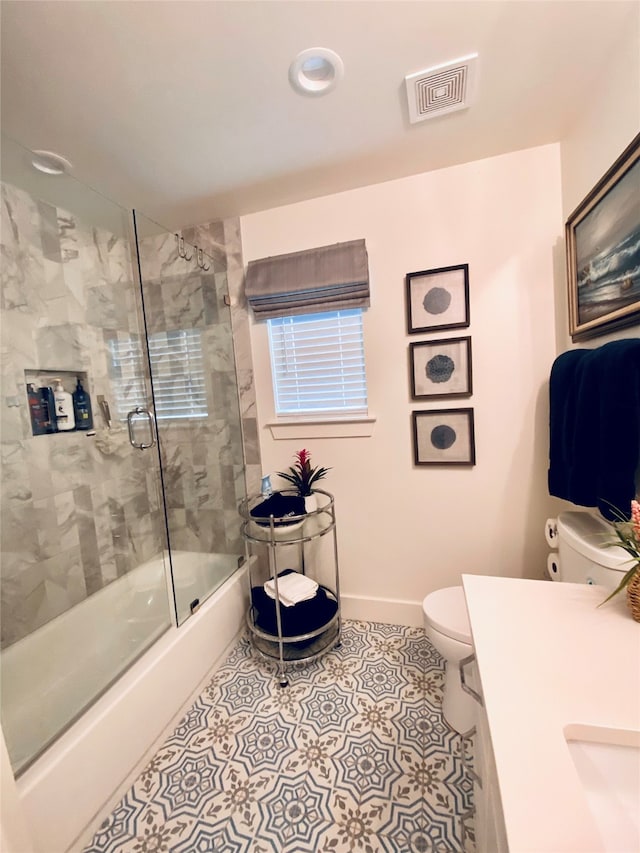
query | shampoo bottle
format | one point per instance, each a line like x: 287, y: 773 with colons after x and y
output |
x: 65, y: 419
x: 48, y: 408
x: 82, y: 407
x: 36, y: 410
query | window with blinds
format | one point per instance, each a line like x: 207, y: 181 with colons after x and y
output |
x: 317, y: 363
x: 177, y: 369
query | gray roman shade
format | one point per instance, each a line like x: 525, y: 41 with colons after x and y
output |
x: 324, y: 279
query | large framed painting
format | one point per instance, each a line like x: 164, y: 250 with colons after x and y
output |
x: 603, y: 252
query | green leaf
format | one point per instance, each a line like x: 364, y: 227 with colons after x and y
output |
x: 623, y: 583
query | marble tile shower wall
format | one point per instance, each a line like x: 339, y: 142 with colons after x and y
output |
x: 217, y: 238
x: 202, y: 459
x: 77, y: 511
x: 242, y: 345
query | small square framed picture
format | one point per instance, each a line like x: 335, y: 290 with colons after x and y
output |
x: 443, y: 437
x: 438, y: 299
x: 440, y: 368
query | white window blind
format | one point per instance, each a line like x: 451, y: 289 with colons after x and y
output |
x: 177, y: 370
x: 127, y: 375
x: 317, y: 363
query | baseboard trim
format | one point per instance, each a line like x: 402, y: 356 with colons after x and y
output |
x: 389, y: 611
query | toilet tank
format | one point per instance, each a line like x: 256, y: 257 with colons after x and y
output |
x: 584, y: 554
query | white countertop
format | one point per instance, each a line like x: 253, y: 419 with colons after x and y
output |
x: 548, y: 658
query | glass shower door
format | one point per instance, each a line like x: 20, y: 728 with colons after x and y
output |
x: 195, y: 394
x: 83, y: 590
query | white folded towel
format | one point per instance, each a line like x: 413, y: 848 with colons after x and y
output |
x: 292, y: 589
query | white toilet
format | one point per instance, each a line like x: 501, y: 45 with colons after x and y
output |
x: 584, y: 557
x: 583, y: 553
x: 446, y: 624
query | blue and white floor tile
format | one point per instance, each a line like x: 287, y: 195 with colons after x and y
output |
x: 353, y: 757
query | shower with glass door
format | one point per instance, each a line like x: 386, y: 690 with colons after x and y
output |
x: 120, y: 527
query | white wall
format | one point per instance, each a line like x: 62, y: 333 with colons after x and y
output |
x: 610, y: 123
x: 404, y: 531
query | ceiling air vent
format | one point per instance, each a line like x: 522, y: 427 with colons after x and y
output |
x: 441, y: 89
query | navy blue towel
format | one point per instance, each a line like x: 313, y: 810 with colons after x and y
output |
x: 281, y: 507
x: 594, y: 425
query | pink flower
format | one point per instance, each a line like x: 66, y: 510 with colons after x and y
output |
x: 301, y: 474
x: 635, y: 517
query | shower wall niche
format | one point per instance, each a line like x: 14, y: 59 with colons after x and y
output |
x: 40, y: 390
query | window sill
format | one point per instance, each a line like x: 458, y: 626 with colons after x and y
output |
x: 345, y: 428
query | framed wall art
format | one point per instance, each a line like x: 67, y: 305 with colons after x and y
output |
x: 440, y: 368
x: 443, y: 437
x: 603, y: 252
x: 437, y: 299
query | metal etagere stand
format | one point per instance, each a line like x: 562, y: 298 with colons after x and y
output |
x: 295, y: 635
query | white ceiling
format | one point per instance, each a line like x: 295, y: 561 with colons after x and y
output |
x: 183, y: 109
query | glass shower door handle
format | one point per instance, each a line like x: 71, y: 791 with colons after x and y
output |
x: 141, y: 445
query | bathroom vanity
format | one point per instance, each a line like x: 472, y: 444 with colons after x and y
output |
x: 559, y: 725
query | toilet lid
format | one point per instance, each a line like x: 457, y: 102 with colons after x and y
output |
x: 446, y: 611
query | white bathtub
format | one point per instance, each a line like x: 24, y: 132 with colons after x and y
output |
x: 70, y: 783
x: 196, y: 575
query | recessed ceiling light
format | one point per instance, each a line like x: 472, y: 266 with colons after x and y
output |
x: 316, y: 71
x: 50, y: 163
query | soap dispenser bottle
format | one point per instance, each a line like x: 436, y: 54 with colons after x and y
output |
x: 65, y: 419
x: 82, y: 407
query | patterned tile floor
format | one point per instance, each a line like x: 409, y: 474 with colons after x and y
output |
x: 353, y: 756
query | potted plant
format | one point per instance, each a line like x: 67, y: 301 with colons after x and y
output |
x: 628, y: 538
x: 302, y: 476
